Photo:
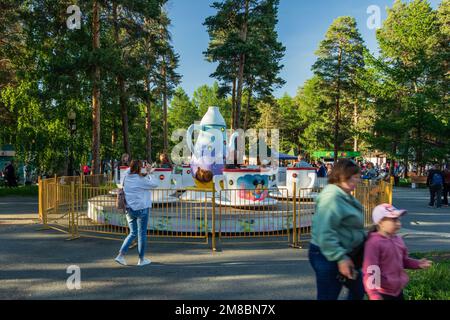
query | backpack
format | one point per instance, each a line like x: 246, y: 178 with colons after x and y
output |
x: 121, y: 203
x: 437, y: 180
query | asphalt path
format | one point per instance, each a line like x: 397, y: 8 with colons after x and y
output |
x: 35, y: 262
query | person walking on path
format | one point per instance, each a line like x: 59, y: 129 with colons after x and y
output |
x: 435, y: 181
x: 338, y: 235
x: 446, y: 186
x: 10, y: 175
x: 138, y: 203
x: 386, y: 256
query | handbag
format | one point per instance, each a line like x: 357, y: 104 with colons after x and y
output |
x: 121, y: 202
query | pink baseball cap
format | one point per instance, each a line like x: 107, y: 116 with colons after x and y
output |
x: 386, y: 210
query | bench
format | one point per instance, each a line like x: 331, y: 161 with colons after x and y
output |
x: 418, y: 180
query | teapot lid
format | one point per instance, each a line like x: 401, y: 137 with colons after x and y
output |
x: 213, y: 117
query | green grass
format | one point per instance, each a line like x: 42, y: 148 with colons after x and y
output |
x: 432, y: 283
x: 22, y: 191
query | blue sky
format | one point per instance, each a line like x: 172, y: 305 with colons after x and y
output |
x: 302, y: 25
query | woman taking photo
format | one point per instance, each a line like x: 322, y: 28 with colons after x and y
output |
x: 137, y: 186
x: 338, y: 235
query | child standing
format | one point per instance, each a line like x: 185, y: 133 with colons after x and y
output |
x: 386, y: 256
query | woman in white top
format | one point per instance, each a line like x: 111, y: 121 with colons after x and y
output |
x: 137, y: 186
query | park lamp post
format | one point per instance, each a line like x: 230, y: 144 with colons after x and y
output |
x: 71, y: 116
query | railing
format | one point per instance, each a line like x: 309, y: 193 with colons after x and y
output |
x: 86, y: 207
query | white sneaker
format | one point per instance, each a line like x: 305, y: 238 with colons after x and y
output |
x: 143, y: 262
x: 121, y: 260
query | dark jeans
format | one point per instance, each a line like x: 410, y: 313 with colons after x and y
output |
x: 400, y: 297
x: 436, y: 192
x: 327, y: 278
x: 446, y: 192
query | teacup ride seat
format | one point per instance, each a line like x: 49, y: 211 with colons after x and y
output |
x: 245, y: 188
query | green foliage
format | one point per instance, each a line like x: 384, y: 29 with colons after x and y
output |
x: 269, y: 116
x: 409, y: 85
x: 243, y: 33
x: 50, y: 73
x: 183, y: 112
x: 432, y: 283
x: 340, y: 60
x: 396, y: 103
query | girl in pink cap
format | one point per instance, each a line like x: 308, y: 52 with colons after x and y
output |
x: 386, y: 257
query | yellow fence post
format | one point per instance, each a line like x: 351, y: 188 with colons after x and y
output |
x: 294, y: 220
x: 56, y: 196
x: 73, y: 230
x: 41, y: 213
x: 391, y: 190
x: 213, y: 219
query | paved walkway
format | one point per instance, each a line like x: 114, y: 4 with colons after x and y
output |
x: 34, y: 263
x: 423, y: 228
x: 18, y: 210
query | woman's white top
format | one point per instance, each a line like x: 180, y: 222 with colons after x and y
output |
x: 137, y: 191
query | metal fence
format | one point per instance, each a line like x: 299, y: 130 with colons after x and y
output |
x: 85, y: 206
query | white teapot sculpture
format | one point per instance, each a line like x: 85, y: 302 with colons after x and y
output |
x: 211, y: 149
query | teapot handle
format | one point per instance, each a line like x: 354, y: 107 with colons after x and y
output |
x: 189, y: 132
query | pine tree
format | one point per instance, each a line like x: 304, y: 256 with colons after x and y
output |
x: 409, y: 73
x: 244, y: 43
x: 340, y: 57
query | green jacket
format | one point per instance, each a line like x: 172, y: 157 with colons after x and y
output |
x: 338, y: 223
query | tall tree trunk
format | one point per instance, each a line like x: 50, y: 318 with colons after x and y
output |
x: 241, y: 69
x: 121, y: 86
x: 96, y: 91
x: 166, y: 131
x: 355, y: 123
x: 233, y: 105
x: 124, y: 113
x: 338, y: 100
x: 247, y: 109
x: 406, y: 160
x: 394, y: 151
x: 148, y: 123
x: 237, y: 114
x: 113, y: 136
x: 419, y: 150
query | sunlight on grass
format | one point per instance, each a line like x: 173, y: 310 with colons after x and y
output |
x: 433, y: 283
